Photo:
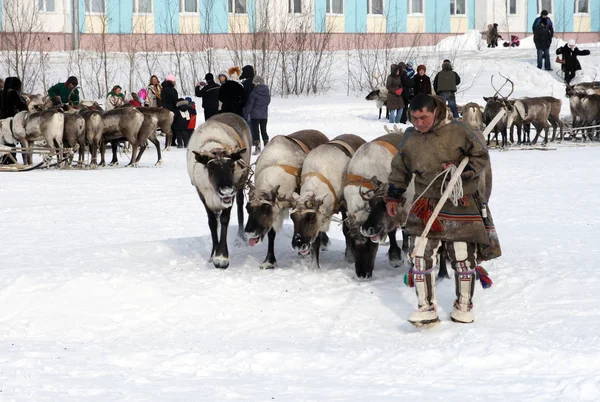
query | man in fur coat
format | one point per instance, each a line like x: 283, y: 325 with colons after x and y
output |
x: 435, y: 142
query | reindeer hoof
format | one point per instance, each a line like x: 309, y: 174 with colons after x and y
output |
x: 220, y: 261
x: 159, y: 163
x: 268, y: 265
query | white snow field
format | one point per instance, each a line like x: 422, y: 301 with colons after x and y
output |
x: 106, y: 293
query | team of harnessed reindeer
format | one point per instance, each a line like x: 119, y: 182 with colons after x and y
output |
x: 65, y: 129
x: 522, y: 113
x: 309, y: 177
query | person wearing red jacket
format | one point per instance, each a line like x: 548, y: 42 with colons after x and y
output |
x: 193, y: 113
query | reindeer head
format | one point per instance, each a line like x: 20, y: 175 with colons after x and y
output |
x: 262, y: 208
x: 220, y: 165
x: 374, y: 94
x: 378, y: 222
x: 307, y: 220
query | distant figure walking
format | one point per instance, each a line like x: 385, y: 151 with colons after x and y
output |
x: 570, y: 64
x: 445, y: 85
x: 257, y: 111
x: 492, y: 35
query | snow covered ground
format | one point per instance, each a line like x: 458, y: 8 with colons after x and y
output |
x: 106, y: 293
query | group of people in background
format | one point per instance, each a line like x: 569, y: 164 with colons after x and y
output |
x: 248, y: 98
x: 403, y: 84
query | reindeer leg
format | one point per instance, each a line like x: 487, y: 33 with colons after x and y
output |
x: 379, y: 118
x: 239, y: 199
x: 314, y: 252
x: 115, y: 160
x: 221, y: 258
x: 154, y: 141
x: 323, y: 240
x: 394, y: 253
x: 349, y: 252
x: 270, y: 260
x: 214, y: 227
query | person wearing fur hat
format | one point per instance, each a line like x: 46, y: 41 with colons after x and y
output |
x: 422, y: 81
x: 222, y: 77
x: 257, y: 111
x: 209, y: 92
x: 181, y: 122
x: 231, y: 93
x: 445, y: 85
x: 570, y: 65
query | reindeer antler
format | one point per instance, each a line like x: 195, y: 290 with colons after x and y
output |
x: 512, y: 85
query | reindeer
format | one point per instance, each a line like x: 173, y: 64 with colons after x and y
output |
x: 277, y: 177
x: 323, y: 176
x: 531, y: 111
x: 217, y: 164
x: 165, y: 121
x: 472, y: 116
x: 493, y: 106
x: 585, y: 110
x: 93, y: 132
x: 74, y: 137
x: 368, y: 170
x: 47, y: 125
x: 121, y: 124
x: 379, y: 95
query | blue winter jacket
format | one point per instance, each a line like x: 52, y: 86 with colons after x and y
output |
x: 258, y: 103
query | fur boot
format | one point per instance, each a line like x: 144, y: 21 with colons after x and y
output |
x: 424, y: 282
x: 465, y: 286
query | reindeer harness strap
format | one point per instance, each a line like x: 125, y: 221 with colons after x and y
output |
x: 346, y: 146
x: 390, y: 147
x: 300, y: 144
x: 294, y: 171
x: 356, y: 180
x: 327, y: 183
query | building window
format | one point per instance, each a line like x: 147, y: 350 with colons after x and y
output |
x: 375, y: 7
x: 415, y: 6
x: 582, y: 6
x: 295, y: 6
x: 95, y: 6
x: 142, y: 6
x: 545, y: 5
x: 188, y: 6
x: 46, y: 6
x: 512, y: 7
x: 335, y: 7
x: 238, y: 7
x: 458, y: 7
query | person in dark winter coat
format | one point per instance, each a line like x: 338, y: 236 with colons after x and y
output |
x: 247, y: 81
x: 395, y: 103
x: 542, y: 37
x: 170, y: 98
x: 181, y: 122
x: 422, y: 81
x: 570, y: 63
x: 543, y: 18
x: 231, y: 96
x: 11, y: 103
x: 11, y: 98
x: 408, y: 90
x: 445, y: 85
x: 209, y: 92
x: 492, y: 35
x: 257, y: 111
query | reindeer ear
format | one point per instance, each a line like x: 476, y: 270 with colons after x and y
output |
x: 274, y: 192
x: 237, y: 155
x: 202, y: 157
x: 486, y: 98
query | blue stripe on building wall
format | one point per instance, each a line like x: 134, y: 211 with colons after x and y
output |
x: 437, y: 16
x: 320, y: 20
x: 166, y: 16
x: 251, y: 16
x: 532, y: 13
x: 564, y: 12
x: 214, y: 17
x: 472, y: 12
x: 595, y: 15
x: 82, y: 16
x: 120, y: 16
x: 355, y: 16
x: 396, y: 15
